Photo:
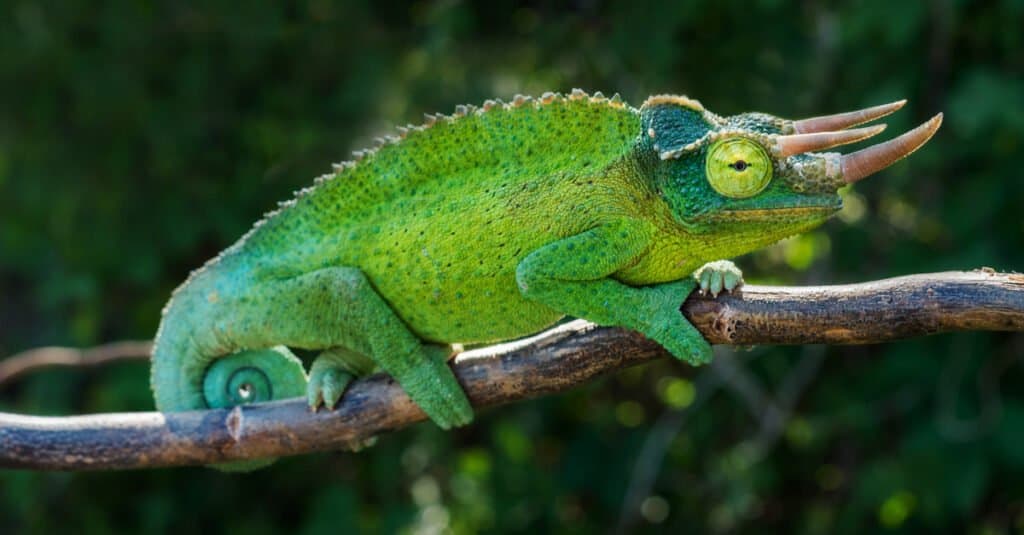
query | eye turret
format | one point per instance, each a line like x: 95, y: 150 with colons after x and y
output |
x: 738, y: 168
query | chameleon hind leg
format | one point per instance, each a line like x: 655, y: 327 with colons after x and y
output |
x: 337, y: 309
x: 331, y: 373
x: 334, y: 369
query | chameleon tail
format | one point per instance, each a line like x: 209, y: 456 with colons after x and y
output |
x: 178, y: 368
x: 183, y: 378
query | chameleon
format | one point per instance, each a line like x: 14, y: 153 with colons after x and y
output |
x: 495, y: 223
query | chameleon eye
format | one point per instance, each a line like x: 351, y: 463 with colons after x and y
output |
x: 738, y: 168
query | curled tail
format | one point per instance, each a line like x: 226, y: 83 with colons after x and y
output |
x: 196, y: 367
x: 184, y: 377
x: 178, y: 367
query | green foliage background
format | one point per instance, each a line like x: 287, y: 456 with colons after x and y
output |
x: 137, y: 139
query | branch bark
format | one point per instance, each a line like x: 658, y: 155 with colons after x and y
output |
x: 556, y: 360
x: 26, y: 362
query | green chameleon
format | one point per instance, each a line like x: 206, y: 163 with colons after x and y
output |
x: 495, y: 223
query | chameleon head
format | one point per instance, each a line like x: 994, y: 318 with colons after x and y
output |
x: 724, y: 175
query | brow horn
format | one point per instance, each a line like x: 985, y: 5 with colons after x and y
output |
x: 869, y: 161
x: 839, y: 121
x: 786, y: 146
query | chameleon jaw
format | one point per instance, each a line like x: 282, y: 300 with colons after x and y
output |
x: 771, y: 214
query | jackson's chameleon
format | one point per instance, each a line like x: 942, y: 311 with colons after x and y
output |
x: 492, y: 224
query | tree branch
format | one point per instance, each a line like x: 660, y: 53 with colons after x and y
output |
x: 41, y: 357
x: 554, y: 361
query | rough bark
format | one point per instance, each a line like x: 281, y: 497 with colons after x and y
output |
x: 554, y: 361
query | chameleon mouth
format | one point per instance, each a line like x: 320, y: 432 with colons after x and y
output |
x: 775, y: 214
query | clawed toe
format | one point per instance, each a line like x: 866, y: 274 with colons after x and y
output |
x: 715, y: 277
x: 326, y: 386
x: 356, y: 445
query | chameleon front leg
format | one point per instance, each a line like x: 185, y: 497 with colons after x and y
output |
x: 718, y: 276
x: 574, y: 276
x: 337, y: 309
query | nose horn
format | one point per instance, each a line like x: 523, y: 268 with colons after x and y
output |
x: 839, y: 121
x: 873, y: 159
x: 786, y: 146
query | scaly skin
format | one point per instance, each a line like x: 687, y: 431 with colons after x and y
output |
x: 489, y: 225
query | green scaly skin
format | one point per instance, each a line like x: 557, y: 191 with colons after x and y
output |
x: 488, y: 225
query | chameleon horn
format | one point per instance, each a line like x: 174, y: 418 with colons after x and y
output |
x: 786, y: 146
x: 869, y: 161
x: 839, y: 121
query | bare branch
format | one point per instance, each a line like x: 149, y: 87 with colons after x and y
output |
x: 28, y: 361
x: 554, y: 361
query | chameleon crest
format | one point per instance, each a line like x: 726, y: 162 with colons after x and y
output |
x: 492, y: 224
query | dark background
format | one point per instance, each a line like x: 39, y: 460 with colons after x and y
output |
x: 138, y: 139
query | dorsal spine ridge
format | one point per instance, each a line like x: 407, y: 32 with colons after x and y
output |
x: 462, y: 110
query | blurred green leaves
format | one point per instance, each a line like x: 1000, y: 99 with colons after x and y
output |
x: 139, y: 139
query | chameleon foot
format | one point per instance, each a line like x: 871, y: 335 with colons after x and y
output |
x: 432, y: 386
x: 718, y: 276
x: 326, y: 385
x: 330, y: 375
x: 670, y: 328
x: 359, y: 444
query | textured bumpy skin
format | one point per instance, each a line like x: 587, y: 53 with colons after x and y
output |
x: 487, y: 225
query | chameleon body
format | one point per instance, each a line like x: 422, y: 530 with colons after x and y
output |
x: 488, y: 225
